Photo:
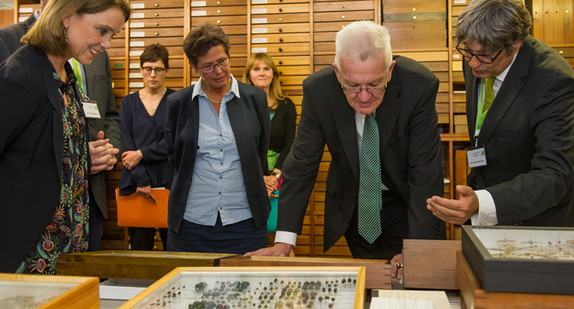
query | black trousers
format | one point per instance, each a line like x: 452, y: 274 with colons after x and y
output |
x: 142, y: 238
x: 395, y: 227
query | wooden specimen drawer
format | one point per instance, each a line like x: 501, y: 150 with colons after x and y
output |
x: 214, y: 11
x: 155, y: 4
x: 157, y: 22
x: 281, y: 48
x: 156, y: 13
x: 219, y: 20
x: 292, y: 80
x: 279, y: 9
x: 343, y: 6
x: 426, y: 34
x: 281, y: 28
x: 566, y: 52
x: 413, y: 6
x: 254, y: 2
x: 330, y: 26
x: 292, y: 60
x: 165, y: 41
x: 156, y: 32
x: 173, y: 73
x: 116, y: 51
x: 174, y: 63
x: 293, y: 70
x: 234, y: 29
x: 280, y: 18
x: 216, y: 3
x: 172, y: 50
x: 349, y: 16
x: 280, y: 38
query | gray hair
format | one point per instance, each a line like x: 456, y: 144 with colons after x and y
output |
x: 363, y: 40
x: 494, y: 24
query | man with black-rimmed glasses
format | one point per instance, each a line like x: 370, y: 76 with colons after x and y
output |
x: 520, y: 111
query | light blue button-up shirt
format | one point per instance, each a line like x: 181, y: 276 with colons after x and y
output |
x: 218, y: 186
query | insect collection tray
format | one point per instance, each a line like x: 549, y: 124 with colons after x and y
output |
x: 255, y: 287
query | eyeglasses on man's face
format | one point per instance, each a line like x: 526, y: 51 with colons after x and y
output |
x: 158, y: 70
x: 372, y: 90
x: 221, y: 63
x: 467, y: 54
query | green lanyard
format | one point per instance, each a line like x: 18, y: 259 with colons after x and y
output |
x: 480, y: 115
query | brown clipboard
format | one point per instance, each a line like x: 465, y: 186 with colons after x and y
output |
x: 134, y: 210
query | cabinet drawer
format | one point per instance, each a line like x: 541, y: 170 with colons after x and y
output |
x: 343, y: 6
x: 280, y: 28
x: 426, y: 34
x: 280, y: 18
x: 216, y: 3
x: 116, y: 51
x: 220, y: 20
x: 277, y: 1
x: 155, y: 4
x: 330, y: 26
x: 165, y: 41
x: 292, y: 60
x: 293, y: 70
x: 281, y: 48
x: 156, y: 13
x: 413, y: 6
x: 280, y: 38
x: 236, y: 39
x: 322, y: 47
x: 279, y: 9
x: 218, y: 11
x: 292, y: 80
x: 566, y: 52
x: 156, y: 32
x: 157, y: 22
x: 344, y: 16
x: 425, y: 56
x: 234, y: 29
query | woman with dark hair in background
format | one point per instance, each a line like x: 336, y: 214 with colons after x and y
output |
x: 143, y: 139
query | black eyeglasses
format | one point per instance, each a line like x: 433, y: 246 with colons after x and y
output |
x: 467, y: 54
x: 158, y: 71
x: 208, y: 68
x: 371, y: 90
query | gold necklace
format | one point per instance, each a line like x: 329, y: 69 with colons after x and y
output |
x: 216, y: 101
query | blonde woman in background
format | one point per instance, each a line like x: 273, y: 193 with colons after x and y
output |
x: 261, y: 72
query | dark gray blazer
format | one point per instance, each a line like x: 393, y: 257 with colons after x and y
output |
x: 99, y: 83
x: 249, y: 118
x: 409, y: 144
x: 10, y: 37
x: 528, y: 136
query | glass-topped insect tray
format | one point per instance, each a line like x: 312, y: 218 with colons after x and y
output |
x: 36, y: 291
x: 255, y: 287
x: 521, y: 259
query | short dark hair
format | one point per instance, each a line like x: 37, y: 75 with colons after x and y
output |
x: 153, y: 53
x: 201, y: 39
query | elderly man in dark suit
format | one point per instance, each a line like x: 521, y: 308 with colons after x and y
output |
x: 366, y: 87
x: 98, y: 83
x: 520, y: 110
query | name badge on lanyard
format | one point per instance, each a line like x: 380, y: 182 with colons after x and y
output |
x: 476, y: 156
x: 91, y: 109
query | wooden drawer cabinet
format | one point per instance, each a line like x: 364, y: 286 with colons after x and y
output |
x: 215, y: 11
x: 156, y: 32
x: 293, y: 70
x: 279, y: 9
x: 341, y: 7
x: 219, y: 20
x: 156, y: 22
x: 216, y: 3
x: 156, y: 13
x: 155, y: 4
x: 292, y: 60
x: 280, y: 28
x: 280, y: 38
x: 346, y: 17
x: 274, y: 49
x: 280, y: 18
x: 426, y: 34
